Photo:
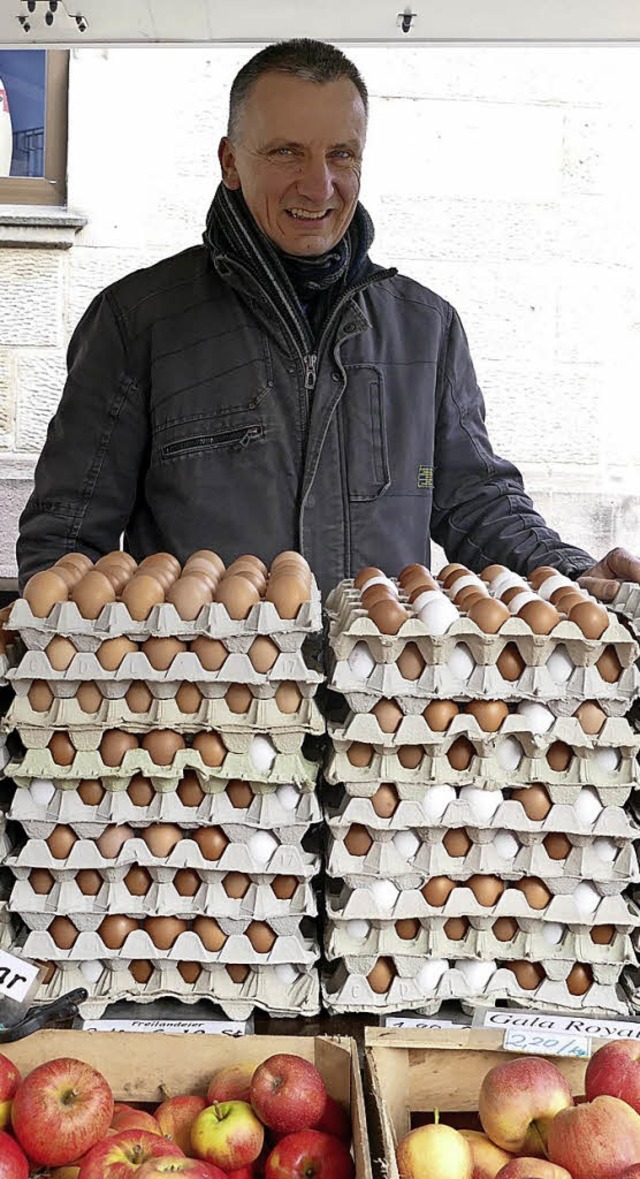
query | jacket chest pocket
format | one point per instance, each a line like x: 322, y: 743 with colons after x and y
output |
x: 362, y: 414
x: 234, y: 440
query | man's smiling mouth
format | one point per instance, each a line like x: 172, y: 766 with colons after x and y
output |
x: 306, y: 215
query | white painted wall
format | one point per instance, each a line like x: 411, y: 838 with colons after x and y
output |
x: 505, y: 178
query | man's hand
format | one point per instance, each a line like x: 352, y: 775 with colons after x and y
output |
x: 603, y: 580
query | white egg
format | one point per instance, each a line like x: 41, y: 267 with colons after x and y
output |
x: 425, y: 597
x: 438, y: 615
x: 361, y: 661
x: 551, y: 584
x: 484, y: 803
x: 505, y: 581
x: 262, y: 846
x: 477, y: 974
x: 539, y: 717
x: 406, y: 843
x: 607, y: 759
x: 509, y: 753
x: 461, y: 662
x: 379, y: 581
x: 520, y: 600
x: 605, y: 849
x: 436, y: 799
x: 91, y: 971
x: 587, y: 898
x: 560, y: 665
x: 385, y: 895
x: 358, y: 930
x: 587, y: 806
x: 552, y: 932
x: 262, y: 753
x: 288, y: 796
x: 506, y: 844
x: 42, y: 791
x: 286, y: 973
x: 431, y: 973
x: 462, y: 582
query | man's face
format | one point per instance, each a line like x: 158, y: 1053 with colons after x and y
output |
x: 297, y: 156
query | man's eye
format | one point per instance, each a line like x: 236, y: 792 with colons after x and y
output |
x: 282, y: 151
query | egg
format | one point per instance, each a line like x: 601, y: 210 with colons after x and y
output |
x: 288, y: 796
x: 161, y: 652
x: 420, y: 597
x: 535, y: 891
x: 161, y: 838
x: 141, y: 970
x: 91, y: 792
x: 139, y: 698
x: 609, y: 665
x: 141, y: 594
x: 534, y: 800
x: 284, y: 887
x: 430, y: 974
x: 202, y: 568
x: 115, y: 929
x: 240, y: 794
x: 117, y: 574
x: 509, y: 753
x: 438, y: 615
x: 236, y: 885
x: 591, y: 716
x: 607, y: 760
x: 586, y: 897
x: 489, y: 714
x: 91, y: 971
x: 435, y: 801
x: 138, y: 881
x: 385, y: 801
x: 410, y: 756
x: 237, y: 595
x: 190, y: 594
x: 78, y: 560
x: 538, y: 716
x: 167, y: 559
x: 254, y: 562
x: 189, y: 790
x: 388, y: 714
x: 212, y: 842
x: 48, y: 969
x: 408, y: 571
x: 602, y: 935
x: 587, y: 806
x: 41, y: 881
x: 381, y: 976
x: 164, y: 931
x: 439, y: 714
x: 210, y: 933
x: 417, y: 587
x: 592, y: 619
x: 186, y: 882
x: 239, y: 698
x: 406, y: 843
x: 92, y: 593
x: 506, y: 845
x: 385, y: 894
x: 456, y: 928
x: 40, y: 696
x: 454, y: 573
x: 60, y: 652
x: 89, y: 698
x: 559, y: 756
x: 262, y: 845
x: 89, y: 881
x: 466, y: 596
x: 436, y: 891
x: 115, y: 744
x: 529, y: 975
x: 579, y: 979
x: 490, y: 572
x: 410, y: 663
x: 557, y: 846
x: 483, y: 803
x: 461, y: 662
x: 460, y: 754
x: 456, y: 842
x: 262, y: 753
x: 541, y: 616
x: 44, y: 590
x: 486, y: 889
x: 358, y: 841
x: 477, y: 974
x: 377, y: 592
x: 560, y: 665
x: 141, y: 791
x: 162, y: 745
x: 388, y: 616
x: 42, y: 790
x: 505, y: 929
x: 605, y: 849
x: 489, y: 615
x: 261, y: 936
x: 552, y: 932
x: 288, y: 697
x: 112, y: 840
x: 516, y: 597
x: 212, y: 558
x: 62, y: 749
x: 566, y: 599
x: 366, y: 574
x: 263, y: 654
x: 359, y: 754
x: 211, y: 653
x: 189, y: 698
x: 358, y: 930
x: 510, y: 663
x: 60, y: 841
x: 190, y: 971
x: 361, y: 661
x: 63, y: 932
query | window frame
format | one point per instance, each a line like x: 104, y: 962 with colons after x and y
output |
x: 50, y: 189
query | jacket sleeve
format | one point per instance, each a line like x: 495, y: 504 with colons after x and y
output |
x: 86, y: 478
x: 481, y: 512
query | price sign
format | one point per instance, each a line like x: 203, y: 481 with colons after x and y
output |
x: 415, y: 1021
x: 17, y: 977
x: 546, y: 1043
x: 190, y: 1027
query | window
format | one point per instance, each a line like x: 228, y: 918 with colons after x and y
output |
x: 33, y: 126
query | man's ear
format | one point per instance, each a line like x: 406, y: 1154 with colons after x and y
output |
x: 227, y: 158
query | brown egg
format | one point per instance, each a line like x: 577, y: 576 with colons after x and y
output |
x: 367, y: 574
x: 454, y: 574
x: 89, y: 882
x: 528, y: 974
x: 534, y: 800
x: 162, y: 745
x: 41, y: 881
x: 388, y: 617
x: 189, y: 698
x: 141, y: 970
x: 288, y: 697
x: 40, y: 696
x: 602, y: 935
x: 536, y: 892
x: 139, y: 698
x: 118, y: 558
x: 115, y: 744
x: 410, y: 663
x: 287, y: 593
x: 437, y: 890
x: 140, y: 790
x: 92, y: 593
x: 161, y: 652
x: 210, y: 934
x: 360, y: 754
x: 70, y: 574
x: 439, y: 714
x: 166, y: 559
x: 407, y: 928
x: 89, y: 698
x: 62, y: 749
x: 261, y: 936
x: 509, y: 594
x: 540, y: 574
x: 44, y: 590
x: 289, y: 569
x: 113, y: 839
x: 186, y: 882
x: 237, y: 595
x: 510, y: 663
x: 63, y: 932
x: 161, y: 838
x: 505, y: 929
x: 456, y: 928
x: 358, y: 840
x: 239, y: 698
x: 465, y: 597
x: 377, y: 593
x: 381, y: 976
x: 263, y: 653
x: 290, y: 556
x: 245, y: 568
x: 164, y: 931
x: 410, y: 756
x: 91, y: 792
x: 457, y: 842
x: 190, y: 594
x: 190, y: 971
x: 609, y: 665
x: 284, y: 887
x: 541, y: 616
x: 385, y: 801
x: 211, y: 748
x: 48, y: 971
x: 415, y: 588
x: 60, y: 652
x: 490, y: 572
x: 238, y: 972
x: 592, y: 619
x: 579, y: 979
x: 591, y: 716
x: 78, y: 560
x: 460, y: 753
x: 118, y: 575
x: 141, y: 594
x: 189, y: 790
x: 565, y: 599
x: 115, y: 929
x: 489, y: 714
x: 211, y: 653
x: 557, y: 845
x: 240, y: 794
x: 211, y: 557
x: 388, y: 714
x: 409, y: 570
x: 199, y: 567
x: 486, y: 889
x: 489, y: 615
x: 559, y: 756
x: 212, y: 841
x: 236, y: 885
x: 138, y: 881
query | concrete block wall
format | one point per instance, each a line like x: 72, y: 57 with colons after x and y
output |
x: 504, y: 178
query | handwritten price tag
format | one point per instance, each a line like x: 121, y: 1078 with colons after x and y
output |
x: 190, y: 1027
x: 546, y: 1043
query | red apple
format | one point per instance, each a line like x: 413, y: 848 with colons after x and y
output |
x: 61, y: 1110
x: 168, y: 1165
x: 288, y: 1093
x: 614, y: 1071
x: 244, y: 1173
x: 596, y: 1140
x: 13, y: 1161
x: 134, y: 1119
x: 230, y: 1084
x: 523, y: 1168
x: 175, y: 1118
x: 630, y: 1173
x: 518, y: 1101
x: 9, y: 1080
x: 435, y: 1151
x: 310, y: 1154
x: 228, y: 1134
x: 119, y: 1155
x: 487, y: 1157
x: 335, y: 1120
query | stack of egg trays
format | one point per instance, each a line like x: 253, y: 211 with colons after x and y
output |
x: 285, y: 979
x: 627, y: 605
x: 559, y: 935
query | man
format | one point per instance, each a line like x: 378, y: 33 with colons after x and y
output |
x: 273, y: 388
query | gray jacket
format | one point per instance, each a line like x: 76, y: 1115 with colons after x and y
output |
x: 191, y: 419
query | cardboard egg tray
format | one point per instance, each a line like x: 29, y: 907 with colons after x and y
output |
x: 348, y: 990
x: 235, y: 828
x: 263, y: 989
x: 560, y: 792
x: 627, y: 603
x: 386, y: 861
x: 237, y: 741
x: 266, y: 812
x: 349, y: 623
x: 213, y: 621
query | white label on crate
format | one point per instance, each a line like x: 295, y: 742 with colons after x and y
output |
x: 198, y: 1027
x: 577, y: 1025
x: 546, y: 1043
x: 415, y: 1021
x: 16, y: 976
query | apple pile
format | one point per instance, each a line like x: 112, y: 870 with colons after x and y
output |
x: 533, y: 1129
x: 274, y: 1122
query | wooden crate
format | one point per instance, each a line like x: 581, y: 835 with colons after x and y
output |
x: 151, y: 1067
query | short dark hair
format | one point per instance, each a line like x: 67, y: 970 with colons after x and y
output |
x: 315, y: 61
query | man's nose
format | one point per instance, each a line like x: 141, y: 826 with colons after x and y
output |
x: 316, y: 181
